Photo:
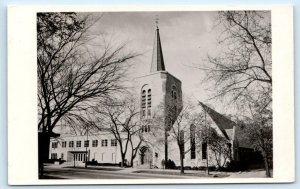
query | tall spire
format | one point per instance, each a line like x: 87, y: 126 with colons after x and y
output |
x: 157, y: 63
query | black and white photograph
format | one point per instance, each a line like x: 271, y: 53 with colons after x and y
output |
x: 154, y: 95
x: 150, y: 95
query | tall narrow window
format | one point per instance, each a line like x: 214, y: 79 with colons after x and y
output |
x: 144, y: 99
x: 149, y: 96
x: 181, y: 139
x: 193, y: 145
x: 204, y: 150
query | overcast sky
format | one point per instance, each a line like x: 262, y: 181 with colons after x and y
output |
x: 186, y: 37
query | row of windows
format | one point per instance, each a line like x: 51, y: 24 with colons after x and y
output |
x: 104, y: 143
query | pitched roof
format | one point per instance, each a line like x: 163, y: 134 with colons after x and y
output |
x: 157, y: 63
x: 224, y: 124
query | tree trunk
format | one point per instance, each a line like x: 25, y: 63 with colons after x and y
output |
x: 181, y: 161
x: 267, y: 167
x: 131, y: 160
x: 43, y: 151
x: 123, y: 160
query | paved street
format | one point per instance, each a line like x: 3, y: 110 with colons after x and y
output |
x: 81, y: 173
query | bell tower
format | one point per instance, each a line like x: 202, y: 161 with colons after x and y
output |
x: 159, y: 91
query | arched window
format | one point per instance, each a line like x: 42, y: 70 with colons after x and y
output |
x: 144, y: 99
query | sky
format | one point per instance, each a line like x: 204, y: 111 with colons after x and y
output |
x: 187, y: 38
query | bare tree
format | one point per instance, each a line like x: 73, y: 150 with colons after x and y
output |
x: 257, y: 130
x: 122, y: 118
x: 218, y: 147
x: 70, y: 74
x: 243, y: 64
x: 242, y: 70
x: 179, y: 119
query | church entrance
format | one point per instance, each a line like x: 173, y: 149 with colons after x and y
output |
x: 146, y: 157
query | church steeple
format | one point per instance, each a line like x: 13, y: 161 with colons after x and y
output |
x: 157, y: 63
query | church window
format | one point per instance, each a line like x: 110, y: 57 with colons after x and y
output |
x: 149, y: 112
x: 204, y: 150
x: 193, y: 145
x: 181, y: 139
x: 149, y: 98
x: 229, y: 149
x: 144, y: 99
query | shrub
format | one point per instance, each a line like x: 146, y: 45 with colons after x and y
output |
x: 235, y: 166
x: 170, y: 164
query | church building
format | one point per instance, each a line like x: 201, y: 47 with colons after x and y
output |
x: 158, y: 89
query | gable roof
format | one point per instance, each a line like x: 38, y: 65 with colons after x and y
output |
x: 224, y: 124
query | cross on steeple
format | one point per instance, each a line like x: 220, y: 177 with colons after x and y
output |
x: 156, y: 21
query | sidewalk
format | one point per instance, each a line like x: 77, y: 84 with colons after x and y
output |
x: 172, y: 172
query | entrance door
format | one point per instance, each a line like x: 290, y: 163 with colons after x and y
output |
x: 81, y: 157
x: 146, y: 156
